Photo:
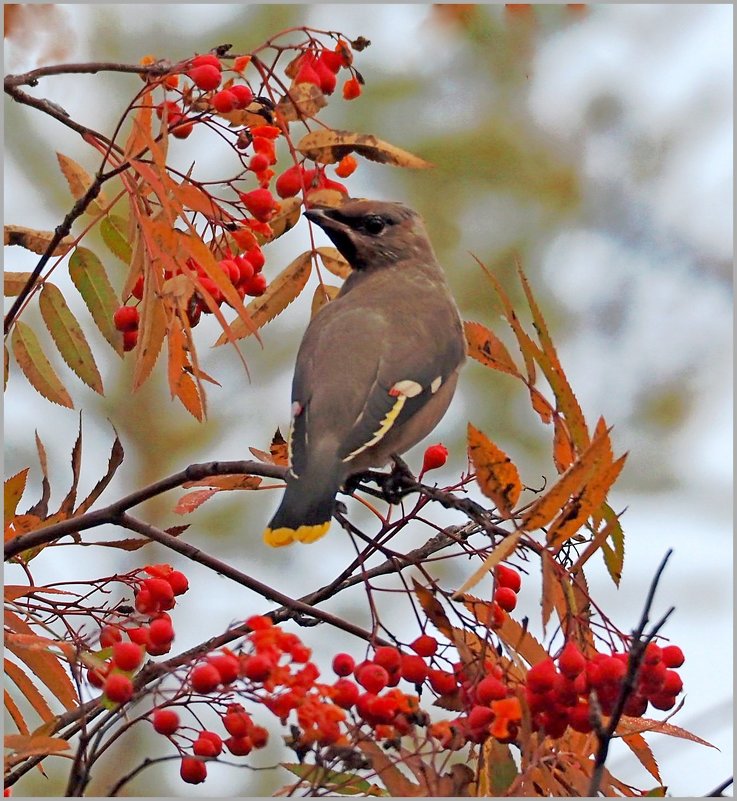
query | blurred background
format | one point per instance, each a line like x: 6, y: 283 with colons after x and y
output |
x: 594, y: 143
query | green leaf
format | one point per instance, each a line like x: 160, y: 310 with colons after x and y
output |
x: 12, y: 493
x: 90, y: 278
x: 114, y: 232
x: 68, y: 336
x: 36, y: 367
x: 334, y: 782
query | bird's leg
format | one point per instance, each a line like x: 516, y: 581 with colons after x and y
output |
x: 399, y: 482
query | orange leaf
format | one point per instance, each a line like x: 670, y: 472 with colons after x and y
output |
x: 196, y: 199
x: 487, y: 348
x: 15, y: 713
x: 432, y: 608
x: 193, y: 500
x: 279, y: 450
x: 13, y: 490
x: 547, y: 506
x: 189, y: 395
x: 563, y: 449
x: 28, y: 688
x: 79, y: 181
x: 151, y: 333
x: 640, y: 748
x: 497, y: 476
x: 501, y: 552
x: 521, y: 641
x: 236, y: 481
x: 541, y: 405
x: 23, y: 746
x: 629, y: 725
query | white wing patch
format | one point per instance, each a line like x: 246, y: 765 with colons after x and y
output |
x: 407, y: 387
x: 436, y: 384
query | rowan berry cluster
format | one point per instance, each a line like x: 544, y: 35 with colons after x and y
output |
x: 120, y: 658
x: 561, y: 696
x: 214, y: 93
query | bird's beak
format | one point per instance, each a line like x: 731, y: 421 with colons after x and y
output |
x: 341, y: 234
x: 318, y: 215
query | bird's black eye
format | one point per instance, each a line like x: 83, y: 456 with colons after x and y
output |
x: 374, y: 224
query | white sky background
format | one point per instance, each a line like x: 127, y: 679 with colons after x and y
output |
x: 669, y: 69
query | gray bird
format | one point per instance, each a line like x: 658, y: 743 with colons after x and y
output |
x: 377, y: 366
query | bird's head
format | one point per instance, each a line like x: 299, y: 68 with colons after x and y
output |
x: 371, y: 234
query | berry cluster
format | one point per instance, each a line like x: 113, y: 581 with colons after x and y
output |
x: 560, y: 696
x: 321, y: 68
x: 154, y: 597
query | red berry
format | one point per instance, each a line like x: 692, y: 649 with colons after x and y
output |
x: 414, y: 668
x: 178, y: 582
x: 506, y: 598
x: 172, y: 110
x: 109, y: 635
x: 479, y: 720
x: 227, y: 666
x: 611, y: 671
x: 139, y: 635
x: 578, y: 718
x: 182, y: 129
x: 490, y: 689
x: 351, y: 89
x: 137, y: 290
x: 208, y: 744
x: 442, y: 682
x: 256, y: 285
x: 673, y: 656
x: 635, y: 706
x: 245, y: 270
x: 118, y: 688
x: 571, y: 661
x: 307, y: 74
x: 345, y: 693
x: 663, y: 701
x: 243, y: 95
x: 672, y: 684
x: 289, y: 183
x: 259, y: 162
x: 346, y: 167
x: 541, y: 677
x: 653, y: 654
x: 326, y: 76
x: 126, y: 318
x: 224, y: 101
x: 363, y: 703
x: 96, y: 676
x: 651, y: 677
x: 161, y: 631
x: 373, y: 678
x: 205, y: 678
x: 435, y: 456
x: 127, y: 655
x: 256, y: 257
x: 343, y: 664
x: 260, y: 203
x: 237, y: 723
x: 206, y: 58
x: 259, y: 736
x: 507, y: 577
x: 192, y: 770
x: 257, y: 667
x: 165, y: 721
x: 383, y: 709
x: 160, y: 589
x: 206, y: 77
x: 424, y: 645
x: 332, y: 60
x: 388, y: 657
x: 239, y: 746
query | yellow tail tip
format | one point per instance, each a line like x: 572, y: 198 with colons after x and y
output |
x: 278, y: 537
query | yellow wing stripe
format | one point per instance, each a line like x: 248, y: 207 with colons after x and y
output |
x: 386, y: 424
x: 278, y: 537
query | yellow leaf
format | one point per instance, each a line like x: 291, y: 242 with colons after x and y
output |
x: 323, y: 295
x: 151, y: 333
x: 79, y: 181
x: 303, y: 100
x: 13, y: 490
x: 284, y: 220
x: 35, y: 241
x: 497, y: 476
x: 279, y: 294
x: 36, y: 367
x: 334, y: 262
x: 328, y: 146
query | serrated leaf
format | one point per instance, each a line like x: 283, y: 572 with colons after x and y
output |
x: 279, y: 294
x: 79, y: 181
x: 195, y: 199
x: 35, y: 241
x: 28, y: 689
x: 13, y: 490
x: 24, y: 746
x: 629, y: 725
x: 68, y: 336
x: 90, y: 278
x: 114, y: 232
x: 639, y: 747
x: 41, y: 507
x: 284, y: 220
x: 151, y: 334
x: 36, y: 367
x: 497, y: 769
x: 334, y: 262
x: 116, y: 459
x: 487, y: 348
x: 432, y: 608
x: 328, y: 146
x: 496, y: 474
x: 334, y: 782
x: 67, y: 505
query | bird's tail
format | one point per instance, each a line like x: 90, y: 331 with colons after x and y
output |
x: 305, y: 511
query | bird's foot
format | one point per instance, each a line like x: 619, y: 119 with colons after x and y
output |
x: 399, y: 482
